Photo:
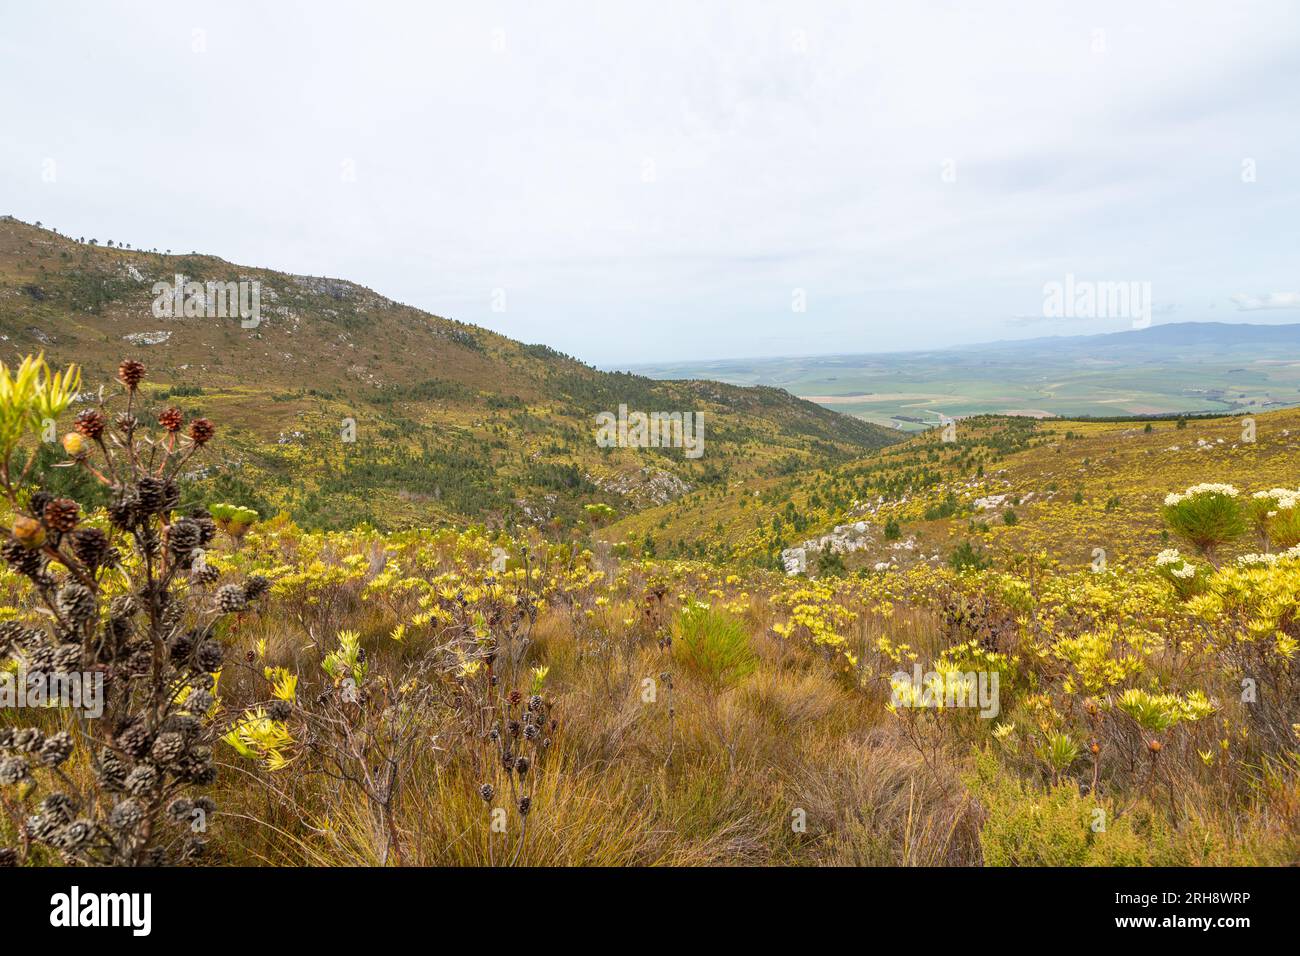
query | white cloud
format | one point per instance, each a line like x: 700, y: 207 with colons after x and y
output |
x: 1271, y: 300
x: 792, y: 144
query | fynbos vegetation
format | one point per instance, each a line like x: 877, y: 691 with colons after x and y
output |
x: 541, y: 696
x: 122, y: 597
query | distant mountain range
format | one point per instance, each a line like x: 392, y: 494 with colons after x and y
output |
x: 1219, y: 335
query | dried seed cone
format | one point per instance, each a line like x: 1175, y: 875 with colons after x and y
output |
x: 179, y: 810
x: 207, y: 575
x: 131, y: 373
x: 167, y: 749
x: 122, y: 511
x: 231, y: 599
x: 182, y: 538
x: 135, y: 740
x: 23, y: 560
x: 13, y: 770
x: 207, y: 527
x: 90, y: 545
x: 201, y: 431
x: 210, y: 656
x: 150, y: 494
x: 91, y: 423
x: 255, y: 587
x: 75, y: 603
x: 62, y: 515
x: 126, y: 815
x: 112, y: 772
x: 75, y: 836
x: 172, y: 419
x: 141, y: 780
x: 56, y: 749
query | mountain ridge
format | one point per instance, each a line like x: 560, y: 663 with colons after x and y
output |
x: 449, y: 420
x: 1281, y: 331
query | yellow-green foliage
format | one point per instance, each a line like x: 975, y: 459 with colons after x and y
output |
x: 1054, y: 825
x: 712, y: 645
x: 1120, y: 691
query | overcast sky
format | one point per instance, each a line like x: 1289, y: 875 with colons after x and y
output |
x: 646, y: 181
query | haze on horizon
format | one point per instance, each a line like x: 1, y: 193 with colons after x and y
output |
x: 666, y: 182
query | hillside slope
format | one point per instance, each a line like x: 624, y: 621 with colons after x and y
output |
x: 1005, y: 485
x: 450, y: 420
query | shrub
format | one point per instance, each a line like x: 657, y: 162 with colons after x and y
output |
x: 1206, y: 516
x: 132, y: 602
x: 1188, y: 579
x: 712, y: 645
x: 1281, y: 522
x: 967, y: 557
x: 1024, y: 826
x: 830, y: 564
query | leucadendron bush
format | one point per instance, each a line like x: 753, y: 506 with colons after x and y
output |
x: 503, y: 696
x: 120, y: 607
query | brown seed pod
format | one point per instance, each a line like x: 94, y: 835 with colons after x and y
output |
x: 201, y: 431
x: 62, y: 514
x: 91, y: 423
x: 172, y: 419
x: 131, y: 373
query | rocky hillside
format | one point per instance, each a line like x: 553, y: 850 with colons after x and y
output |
x: 351, y: 406
x: 1075, y: 491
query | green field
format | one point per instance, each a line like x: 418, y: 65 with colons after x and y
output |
x: 1167, y: 369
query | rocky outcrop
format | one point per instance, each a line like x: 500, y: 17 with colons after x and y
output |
x: 842, y: 539
x: 647, y: 487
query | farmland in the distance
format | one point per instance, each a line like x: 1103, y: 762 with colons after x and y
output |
x: 1166, y: 369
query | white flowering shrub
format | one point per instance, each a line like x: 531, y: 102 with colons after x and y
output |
x: 1206, y: 516
x: 1275, y: 515
x: 1187, y: 578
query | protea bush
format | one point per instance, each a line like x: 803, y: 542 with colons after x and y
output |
x: 1188, y: 578
x: 1277, y: 514
x: 123, y: 597
x: 1206, y: 516
x: 234, y: 520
